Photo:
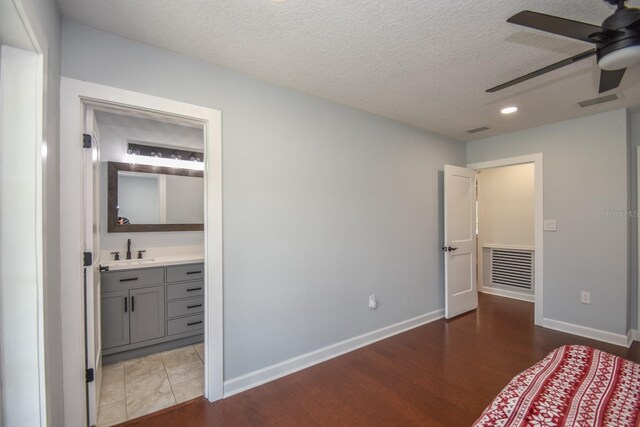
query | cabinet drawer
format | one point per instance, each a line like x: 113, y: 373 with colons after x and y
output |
x: 185, y: 290
x: 185, y: 324
x: 180, y: 273
x: 126, y: 279
x: 185, y: 306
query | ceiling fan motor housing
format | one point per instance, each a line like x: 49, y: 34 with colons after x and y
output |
x: 619, y: 3
x: 621, y: 48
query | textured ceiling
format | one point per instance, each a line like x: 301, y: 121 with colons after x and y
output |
x: 426, y: 63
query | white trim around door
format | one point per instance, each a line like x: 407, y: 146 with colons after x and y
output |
x: 26, y: 144
x: 536, y: 159
x: 74, y: 97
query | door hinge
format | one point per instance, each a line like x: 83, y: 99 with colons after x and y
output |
x: 88, y: 259
x: 90, y: 375
x: 86, y: 140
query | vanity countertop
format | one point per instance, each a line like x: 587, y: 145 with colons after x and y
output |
x: 152, y: 262
x: 154, y: 258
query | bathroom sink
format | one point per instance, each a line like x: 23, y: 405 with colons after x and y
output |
x: 128, y: 262
x: 160, y: 260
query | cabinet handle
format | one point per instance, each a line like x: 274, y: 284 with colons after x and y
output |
x: 133, y: 307
x: 194, y: 306
x: 194, y: 289
x: 194, y: 323
x: 194, y: 272
x: 125, y: 304
x: 132, y: 279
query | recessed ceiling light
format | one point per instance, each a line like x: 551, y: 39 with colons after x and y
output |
x: 509, y: 110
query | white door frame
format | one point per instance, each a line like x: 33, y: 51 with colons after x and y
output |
x: 74, y: 95
x: 33, y: 303
x: 538, y: 219
x: 637, y: 337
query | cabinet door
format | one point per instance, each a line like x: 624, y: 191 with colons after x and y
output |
x: 147, y: 318
x: 115, y: 319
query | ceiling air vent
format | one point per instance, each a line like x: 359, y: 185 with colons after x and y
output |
x: 600, y: 100
x: 477, y: 129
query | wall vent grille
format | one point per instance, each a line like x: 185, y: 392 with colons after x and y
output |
x: 476, y: 130
x: 513, y: 268
x: 600, y: 100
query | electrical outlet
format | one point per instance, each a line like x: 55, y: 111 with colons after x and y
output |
x: 372, y: 302
x: 585, y: 297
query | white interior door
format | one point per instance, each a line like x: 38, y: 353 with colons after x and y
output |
x: 91, y: 185
x: 459, y: 241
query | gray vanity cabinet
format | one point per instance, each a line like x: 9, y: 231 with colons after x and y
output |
x: 132, y: 316
x: 146, y: 317
x: 152, y: 308
x: 115, y: 319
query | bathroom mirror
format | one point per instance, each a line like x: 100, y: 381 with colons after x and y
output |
x: 154, y: 198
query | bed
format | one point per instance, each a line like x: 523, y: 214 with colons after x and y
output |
x: 572, y: 386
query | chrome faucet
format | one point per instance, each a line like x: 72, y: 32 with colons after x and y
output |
x: 128, y: 248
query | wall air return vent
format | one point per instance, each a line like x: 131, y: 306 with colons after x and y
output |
x: 476, y: 130
x: 512, y: 268
x: 599, y: 100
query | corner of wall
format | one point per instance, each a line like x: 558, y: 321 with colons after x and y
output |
x: 633, y: 142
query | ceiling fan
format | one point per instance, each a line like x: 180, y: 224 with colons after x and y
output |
x: 617, y: 42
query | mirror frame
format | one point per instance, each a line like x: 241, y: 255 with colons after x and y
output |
x: 112, y: 198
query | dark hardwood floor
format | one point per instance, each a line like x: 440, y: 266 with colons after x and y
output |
x: 440, y: 374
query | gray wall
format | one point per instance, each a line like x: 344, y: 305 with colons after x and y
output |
x: 51, y: 25
x: 585, y: 176
x: 323, y: 204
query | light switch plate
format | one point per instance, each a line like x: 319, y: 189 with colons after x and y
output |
x: 549, y: 225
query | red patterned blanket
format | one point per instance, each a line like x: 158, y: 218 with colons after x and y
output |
x: 573, y: 386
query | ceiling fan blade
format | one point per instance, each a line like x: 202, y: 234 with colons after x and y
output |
x: 541, y: 71
x: 561, y: 26
x: 610, y: 79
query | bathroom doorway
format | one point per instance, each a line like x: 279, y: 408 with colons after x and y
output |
x: 152, y: 285
x: 149, y: 182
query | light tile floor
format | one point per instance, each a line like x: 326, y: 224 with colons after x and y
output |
x: 140, y: 386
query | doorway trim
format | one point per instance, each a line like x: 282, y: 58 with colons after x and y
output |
x: 74, y: 96
x: 538, y: 219
x: 32, y: 402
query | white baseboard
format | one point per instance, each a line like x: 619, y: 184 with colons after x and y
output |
x: 508, y: 294
x: 279, y: 370
x: 583, y: 331
x: 632, y: 336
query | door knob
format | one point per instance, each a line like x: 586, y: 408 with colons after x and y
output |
x: 448, y: 249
